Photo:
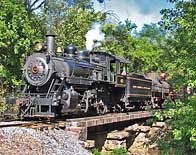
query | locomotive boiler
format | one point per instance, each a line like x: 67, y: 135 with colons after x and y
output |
x: 81, y: 82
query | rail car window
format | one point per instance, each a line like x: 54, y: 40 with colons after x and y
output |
x: 113, y: 67
x: 110, y: 69
x: 113, y: 71
x: 117, y: 67
x: 123, y: 69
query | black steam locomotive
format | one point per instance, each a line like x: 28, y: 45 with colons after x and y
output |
x: 79, y: 81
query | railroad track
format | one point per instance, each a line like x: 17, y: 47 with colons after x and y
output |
x: 79, y: 122
x: 14, y: 123
x: 108, y: 118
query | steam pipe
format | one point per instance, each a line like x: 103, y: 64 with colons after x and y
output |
x: 50, y: 43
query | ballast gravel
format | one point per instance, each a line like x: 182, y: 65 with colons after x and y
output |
x: 25, y: 141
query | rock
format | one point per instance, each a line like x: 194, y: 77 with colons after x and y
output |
x: 78, y: 132
x: 138, y: 151
x: 144, y: 128
x: 132, y: 128
x: 88, y: 144
x: 152, y: 146
x: 113, y: 144
x: 159, y: 124
x: 169, y: 127
x: 139, y: 145
x: 154, y: 131
x: 141, y: 139
x: 24, y: 141
x: 153, y: 151
x: 118, y: 135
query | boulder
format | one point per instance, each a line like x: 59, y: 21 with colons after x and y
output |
x: 144, y: 128
x: 141, y: 139
x: 118, y: 135
x: 154, y: 131
x: 131, y: 128
x: 88, y: 144
x: 159, y: 124
x: 138, y: 151
x: 139, y: 145
x: 113, y: 144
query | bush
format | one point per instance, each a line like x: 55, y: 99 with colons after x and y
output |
x: 2, y: 106
x: 182, y: 140
x: 96, y: 152
x: 117, y: 151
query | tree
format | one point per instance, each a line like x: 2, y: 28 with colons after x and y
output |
x: 18, y: 30
x: 73, y: 23
x: 32, y: 5
x: 179, y: 22
x: 119, y: 40
x: 154, y: 33
x: 150, y: 49
x: 144, y: 50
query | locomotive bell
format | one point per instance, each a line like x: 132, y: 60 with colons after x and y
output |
x: 59, y: 50
x: 50, y: 43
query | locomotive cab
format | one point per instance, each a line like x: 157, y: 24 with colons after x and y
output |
x: 114, y: 67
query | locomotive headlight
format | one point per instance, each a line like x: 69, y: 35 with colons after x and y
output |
x: 38, y: 46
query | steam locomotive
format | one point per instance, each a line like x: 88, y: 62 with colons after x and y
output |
x: 81, y: 82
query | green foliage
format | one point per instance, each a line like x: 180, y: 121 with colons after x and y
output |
x: 2, y: 105
x: 75, y: 25
x: 96, y: 152
x: 179, y: 23
x: 119, y: 151
x: 147, y: 56
x: 116, y: 151
x: 145, y: 50
x: 118, y: 40
x: 71, y: 20
x: 17, y: 32
x: 182, y: 140
x: 168, y: 112
x: 151, y: 52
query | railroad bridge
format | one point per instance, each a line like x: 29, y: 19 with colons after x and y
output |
x: 87, y: 127
x: 94, y: 129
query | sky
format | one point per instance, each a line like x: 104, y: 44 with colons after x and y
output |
x: 139, y: 12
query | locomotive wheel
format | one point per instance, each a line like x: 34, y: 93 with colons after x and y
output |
x: 101, y: 109
x: 85, y: 103
x: 86, y: 107
x: 118, y: 108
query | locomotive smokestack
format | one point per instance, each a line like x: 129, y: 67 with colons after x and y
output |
x: 50, y: 43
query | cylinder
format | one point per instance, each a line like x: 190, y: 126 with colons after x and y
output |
x: 50, y: 43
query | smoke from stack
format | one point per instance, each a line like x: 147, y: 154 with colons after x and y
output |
x: 94, y: 36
